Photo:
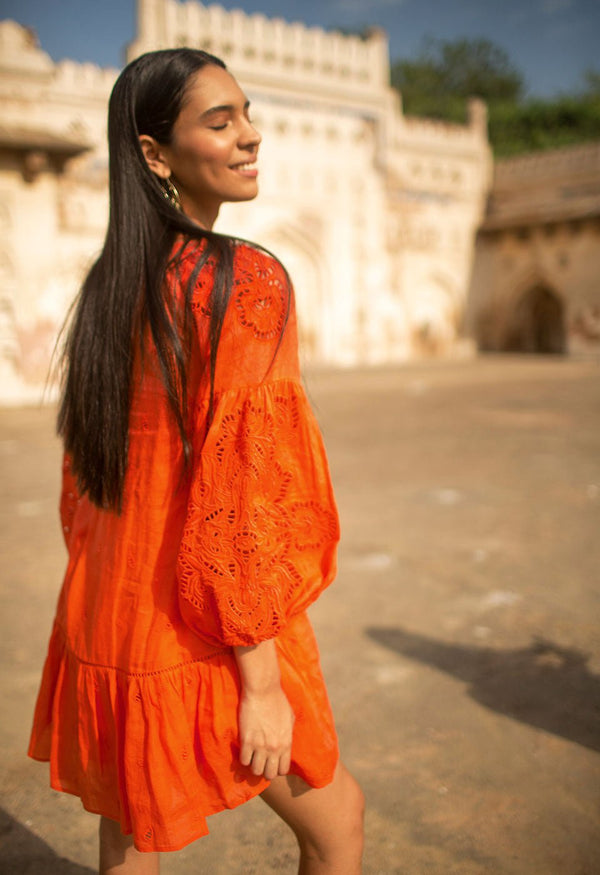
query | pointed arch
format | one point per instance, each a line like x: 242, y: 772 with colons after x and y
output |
x: 536, y: 323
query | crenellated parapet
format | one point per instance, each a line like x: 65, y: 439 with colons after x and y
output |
x: 442, y: 134
x: 57, y: 110
x: 23, y: 65
x: 442, y: 160
x: 85, y: 79
x: 271, y: 51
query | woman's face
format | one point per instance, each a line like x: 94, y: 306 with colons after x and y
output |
x: 212, y: 154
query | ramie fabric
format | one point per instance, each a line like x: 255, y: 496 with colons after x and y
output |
x: 138, y: 705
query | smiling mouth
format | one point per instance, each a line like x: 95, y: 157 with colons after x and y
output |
x: 248, y: 168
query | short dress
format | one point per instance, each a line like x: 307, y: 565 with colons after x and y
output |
x: 138, y: 707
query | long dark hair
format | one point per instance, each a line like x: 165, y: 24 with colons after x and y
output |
x: 123, y: 292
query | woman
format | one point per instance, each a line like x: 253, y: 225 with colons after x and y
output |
x: 182, y: 676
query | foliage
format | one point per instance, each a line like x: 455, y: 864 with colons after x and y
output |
x: 445, y: 74
x: 591, y: 79
x: 544, y: 124
x: 448, y: 72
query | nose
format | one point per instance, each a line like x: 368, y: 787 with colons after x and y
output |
x: 250, y: 138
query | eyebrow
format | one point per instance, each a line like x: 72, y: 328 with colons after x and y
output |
x: 226, y: 107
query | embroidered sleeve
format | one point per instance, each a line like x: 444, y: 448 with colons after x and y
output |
x: 260, y: 538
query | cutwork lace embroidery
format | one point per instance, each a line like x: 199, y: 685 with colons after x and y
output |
x: 255, y: 518
x: 261, y: 297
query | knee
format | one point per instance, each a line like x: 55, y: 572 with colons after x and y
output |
x: 354, y: 802
x: 340, y: 835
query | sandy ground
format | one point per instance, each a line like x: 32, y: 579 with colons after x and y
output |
x: 461, y: 641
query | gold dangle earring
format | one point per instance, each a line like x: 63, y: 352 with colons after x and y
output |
x: 171, y: 194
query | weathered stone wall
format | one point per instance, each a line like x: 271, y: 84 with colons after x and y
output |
x: 536, y: 277
x: 373, y: 213
x: 53, y: 206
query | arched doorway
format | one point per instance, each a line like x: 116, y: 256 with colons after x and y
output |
x: 299, y: 245
x: 537, y: 324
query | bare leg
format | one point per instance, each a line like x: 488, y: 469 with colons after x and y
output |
x: 118, y: 855
x: 328, y: 823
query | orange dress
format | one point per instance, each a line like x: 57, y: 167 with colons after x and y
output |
x: 137, y: 711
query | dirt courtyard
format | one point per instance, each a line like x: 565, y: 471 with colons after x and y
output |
x: 461, y: 641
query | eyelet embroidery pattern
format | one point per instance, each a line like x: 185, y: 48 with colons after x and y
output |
x: 255, y: 525
x: 261, y: 306
x: 260, y: 295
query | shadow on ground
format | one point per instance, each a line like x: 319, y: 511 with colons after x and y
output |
x: 544, y: 685
x: 24, y: 853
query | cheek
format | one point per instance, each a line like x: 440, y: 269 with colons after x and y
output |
x: 208, y: 152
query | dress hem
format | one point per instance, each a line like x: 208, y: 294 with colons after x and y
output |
x: 178, y: 846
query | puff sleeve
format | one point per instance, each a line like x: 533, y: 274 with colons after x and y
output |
x: 259, y: 541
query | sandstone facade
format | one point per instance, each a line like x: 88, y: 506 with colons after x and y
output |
x: 373, y: 213
x: 536, y: 277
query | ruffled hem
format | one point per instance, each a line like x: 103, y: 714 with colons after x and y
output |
x: 158, y: 752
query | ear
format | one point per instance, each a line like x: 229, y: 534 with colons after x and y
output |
x: 155, y: 157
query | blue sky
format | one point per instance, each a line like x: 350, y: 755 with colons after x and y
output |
x: 551, y: 42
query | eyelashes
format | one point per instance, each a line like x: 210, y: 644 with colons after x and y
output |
x: 225, y: 124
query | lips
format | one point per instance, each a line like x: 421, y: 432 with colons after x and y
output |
x: 246, y: 168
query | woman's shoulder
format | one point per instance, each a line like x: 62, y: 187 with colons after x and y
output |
x: 261, y: 295
x: 256, y: 260
x: 251, y: 262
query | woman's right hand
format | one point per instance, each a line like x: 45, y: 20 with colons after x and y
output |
x: 266, y: 719
x: 266, y: 723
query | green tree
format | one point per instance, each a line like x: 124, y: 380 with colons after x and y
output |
x: 544, y: 124
x: 446, y: 73
x: 591, y: 80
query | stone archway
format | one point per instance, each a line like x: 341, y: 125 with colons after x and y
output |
x: 537, y: 323
x: 299, y: 245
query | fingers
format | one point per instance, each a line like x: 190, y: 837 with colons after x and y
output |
x: 246, y: 753
x: 266, y: 724
x: 257, y: 767
x: 284, y: 764
x: 262, y: 763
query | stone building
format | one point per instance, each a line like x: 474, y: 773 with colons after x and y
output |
x: 374, y: 213
x: 536, y: 277
x: 53, y: 200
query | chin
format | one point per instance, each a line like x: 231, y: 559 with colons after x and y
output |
x: 239, y: 197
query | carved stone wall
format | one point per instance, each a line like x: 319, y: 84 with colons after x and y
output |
x: 536, y: 277
x: 53, y: 174
x: 373, y: 213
